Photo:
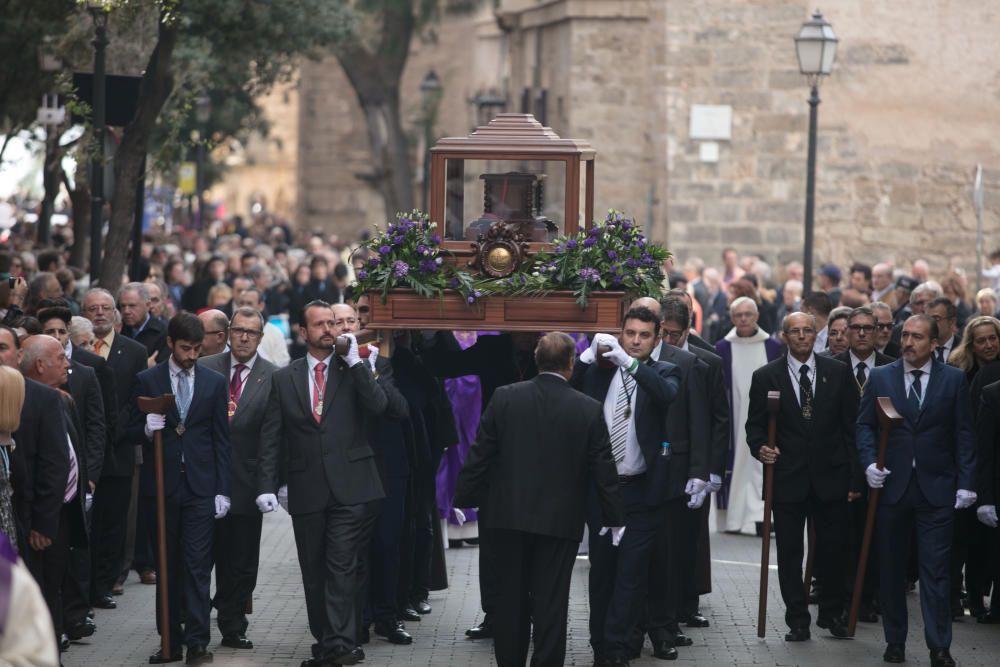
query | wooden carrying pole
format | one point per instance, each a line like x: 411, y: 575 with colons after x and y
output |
x: 773, y: 404
x: 888, y: 419
x: 160, y: 406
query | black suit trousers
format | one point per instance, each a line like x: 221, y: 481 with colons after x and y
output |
x: 330, y: 544
x: 830, y: 519
x: 536, y: 571
x: 236, y: 552
x: 108, y: 527
x: 670, y: 569
x: 48, y: 566
x: 489, y: 583
x: 969, y: 552
x: 384, y: 554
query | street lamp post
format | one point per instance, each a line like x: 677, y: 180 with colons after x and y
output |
x: 100, y: 16
x: 816, y: 48
x: 203, y: 111
x: 430, y: 92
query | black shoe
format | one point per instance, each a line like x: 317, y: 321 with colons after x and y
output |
x: 482, y: 631
x: 63, y: 642
x: 84, y: 628
x: 988, y: 619
x: 836, y: 626
x: 797, y: 635
x: 409, y: 614
x: 359, y: 653
x: 696, y: 620
x: 664, y: 650
x: 104, y: 602
x: 421, y: 607
x: 895, y: 653
x: 395, y: 634
x: 158, y: 659
x: 198, y: 655
x: 679, y: 639
x: 940, y: 657
x: 236, y: 641
x: 611, y: 661
x: 344, y: 656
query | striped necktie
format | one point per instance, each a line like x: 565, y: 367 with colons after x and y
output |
x: 622, y: 417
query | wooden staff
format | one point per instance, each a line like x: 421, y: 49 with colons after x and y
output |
x: 810, y: 557
x: 773, y: 405
x: 888, y: 419
x: 160, y: 405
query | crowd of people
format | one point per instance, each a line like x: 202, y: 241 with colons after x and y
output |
x: 283, y: 397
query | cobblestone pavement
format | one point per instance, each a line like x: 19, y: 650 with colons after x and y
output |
x: 127, y: 635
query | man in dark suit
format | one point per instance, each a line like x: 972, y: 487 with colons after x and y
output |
x: 635, y: 391
x: 675, y: 312
x: 196, y: 479
x: 236, y: 544
x: 540, y: 509
x: 944, y: 312
x: 815, y: 471
x: 988, y: 484
x: 139, y: 324
x: 862, y: 357
x: 316, y: 452
x: 127, y: 359
x: 929, y: 472
x: 687, y: 430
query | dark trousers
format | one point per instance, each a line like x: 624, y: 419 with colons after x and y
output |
x: 384, y: 554
x: 424, y: 516
x: 110, y: 513
x: 489, y: 583
x: 76, y: 584
x: 618, y: 575
x: 143, y: 556
x: 48, y: 567
x: 933, y: 543
x: 829, y: 518
x: 536, y: 572
x: 857, y: 516
x: 329, y: 545
x: 969, y: 553
x: 236, y: 552
x: 671, y: 564
x: 190, y: 524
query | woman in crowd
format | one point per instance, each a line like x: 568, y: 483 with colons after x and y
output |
x: 986, y: 301
x: 11, y: 400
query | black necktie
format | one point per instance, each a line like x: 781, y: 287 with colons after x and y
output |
x: 914, y: 396
x: 862, y: 378
x: 940, y: 353
x: 805, y: 392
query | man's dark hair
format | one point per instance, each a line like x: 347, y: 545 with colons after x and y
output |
x: 862, y: 311
x: 246, y: 311
x: 30, y: 324
x: 555, y: 352
x: 864, y: 269
x: 318, y: 259
x: 818, y: 302
x: 949, y: 308
x: 929, y: 320
x: 674, y: 309
x: 318, y: 303
x: 185, y: 326
x: 57, y: 312
x: 259, y: 292
x: 35, y: 287
x: 643, y: 315
x: 48, y: 260
x: 249, y: 254
x: 13, y: 334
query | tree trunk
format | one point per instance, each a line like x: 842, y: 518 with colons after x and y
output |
x: 80, y: 197
x: 156, y: 86
x: 51, y: 172
x: 390, y: 155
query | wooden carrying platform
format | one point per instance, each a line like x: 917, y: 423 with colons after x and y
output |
x: 556, y: 311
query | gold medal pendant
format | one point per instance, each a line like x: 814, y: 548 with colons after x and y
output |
x: 180, y: 429
x: 807, y: 411
x: 319, y: 407
x: 232, y: 408
x: 628, y: 412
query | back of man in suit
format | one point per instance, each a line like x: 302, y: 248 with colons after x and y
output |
x: 929, y: 472
x: 636, y: 393
x: 540, y: 447
x: 815, y: 472
x: 988, y: 484
x: 127, y: 359
x: 196, y: 479
x: 236, y: 543
x: 316, y: 452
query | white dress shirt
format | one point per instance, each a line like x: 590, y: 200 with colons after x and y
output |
x: 869, y: 364
x: 821, y: 337
x: 925, y: 379
x: 793, y: 371
x: 233, y: 362
x: 312, y: 361
x: 633, y: 463
x: 175, y: 377
x: 947, y: 345
x: 273, y: 346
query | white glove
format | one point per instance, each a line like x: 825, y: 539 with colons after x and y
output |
x: 589, y: 355
x: 876, y: 477
x: 352, y: 357
x: 88, y: 502
x: 695, y: 486
x: 154, y: 422
x: 372, y: 356
x: 698, y: 499
x: 221, y: 506
x: 714, y: 483
x: 965, y: 499
x: 283, y: 497
x: 267, y: 502
x: 987, y: 515
x: 616, y: 534
x: 618, y: 356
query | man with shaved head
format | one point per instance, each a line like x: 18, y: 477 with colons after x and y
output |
x: 216, y: 332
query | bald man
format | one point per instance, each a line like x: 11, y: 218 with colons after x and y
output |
x: 216, y: 332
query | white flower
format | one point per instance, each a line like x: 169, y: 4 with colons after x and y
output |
x: 438, y: 260
x: 534, y: 273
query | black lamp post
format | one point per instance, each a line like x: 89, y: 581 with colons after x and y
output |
x: 203, y: 111
x: 100, y: 15
x: 430, y: 93
x: 816, y: 47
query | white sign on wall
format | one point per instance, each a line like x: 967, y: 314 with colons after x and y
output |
x: 711, y: 122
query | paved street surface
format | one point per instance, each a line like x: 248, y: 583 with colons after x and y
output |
x: 127, y: 635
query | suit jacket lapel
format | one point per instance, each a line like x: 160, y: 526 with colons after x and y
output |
x: 931, y: 386
x: 164, y: 387
x: 300, y: 379
x: 336, y: 374
x: 250, y: 388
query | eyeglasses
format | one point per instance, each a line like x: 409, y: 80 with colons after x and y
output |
x: 249, y: 333
x: 884, y: 326
x: 364, y: 309
x: 867, y: 328
x: 100, y: 308
x: 673, y: 335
